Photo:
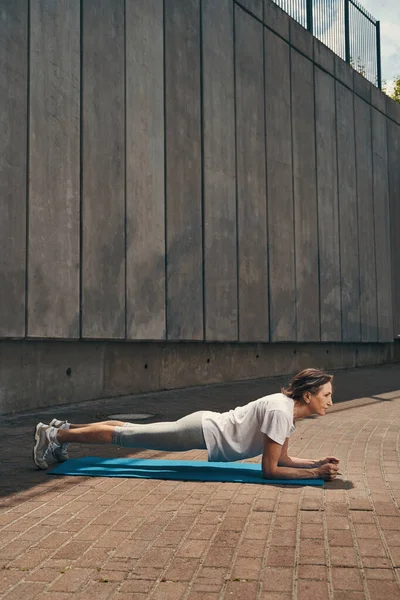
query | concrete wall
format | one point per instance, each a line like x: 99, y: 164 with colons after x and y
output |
x: 35, y: 374
x: 191, y: 171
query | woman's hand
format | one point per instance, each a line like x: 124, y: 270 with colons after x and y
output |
x: 327, y: 460
x: 328, y: 471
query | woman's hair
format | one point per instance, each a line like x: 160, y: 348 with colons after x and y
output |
x: 308, y: 380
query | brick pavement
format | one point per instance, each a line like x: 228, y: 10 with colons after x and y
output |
x: 162, y: 540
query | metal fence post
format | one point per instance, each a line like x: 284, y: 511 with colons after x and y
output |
x: 310, y: 24
x: 347, y: 30
x: 378, y: 54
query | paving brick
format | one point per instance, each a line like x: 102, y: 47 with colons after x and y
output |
x: 337, y: 522
x: 251, y: 548
x: 283, y: 538
x: 201, y: 532
x: 181, y: 569
x: 94, y: 557
x: 96, y: 591
x: 193, y: 548
x: 156, y: 557
x: 362, y: 516
x: 202, y: 595
x: 312, y: 590
x: 311, y: 531
x: 390, y: 523
x: 375, y: 562
x: 218, y: 556
x: 379, y: 574
x: 90, y: 533
x: 55, y: 540
x: 246, y: 568
x: 340, y: 537
x: 111, y: 539
x: 343, y: 556
x: 366, y: 531
x: 72, y: 580
x: 392, y: 537
x: 105, y: 575
x: 133, y: 586
x: 278, y: 580
x: 346, y: 579
x: 311, y: 516
x: 227, y: 538
x: 142, y: 572
x: 371, y: 547
x: 31, y: 559
x: 14, y: 549
x: 25, y: 590
x: 312, y: 552
x: 318, y: 572
x: 169, y: 590
x: 281, y: 556
x: 395, y: 555
x: 382, y: 590
x: 9, y: 578
x: 73, y: 550
x: 241, y: 590
x: 131, y: 548
x: 46, y: 575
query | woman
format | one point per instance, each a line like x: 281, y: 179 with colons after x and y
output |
x: 260, y: 427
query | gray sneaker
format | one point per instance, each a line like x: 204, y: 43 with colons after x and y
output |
x: 43, y: 450
x: 57, y: 423
x: 61, y: 452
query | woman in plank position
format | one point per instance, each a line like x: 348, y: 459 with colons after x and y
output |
x: 261, y: 427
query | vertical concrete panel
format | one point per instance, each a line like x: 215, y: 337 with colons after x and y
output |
x: 103, y: 170
x: 282, y: 282
x: 368, y: 303
x: 251, y: 184
x: 328, y: 209
x: 183, y: 176
x: 145, y: 201
x: 393, y: 131
x: 348, y: 220
x: 382, y: 227
x: 13, y: 179
x: 53, y: 247
x: 305, y: 199
x: 220, y: 236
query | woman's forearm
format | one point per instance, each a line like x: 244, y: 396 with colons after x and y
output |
x: 284, y: 472
x: 299, y: 463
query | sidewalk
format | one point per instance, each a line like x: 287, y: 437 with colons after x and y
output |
x: 120, y: 539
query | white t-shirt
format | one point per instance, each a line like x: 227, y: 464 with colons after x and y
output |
x: 239, y: 433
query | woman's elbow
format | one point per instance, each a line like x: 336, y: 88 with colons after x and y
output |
x: 270, y: 472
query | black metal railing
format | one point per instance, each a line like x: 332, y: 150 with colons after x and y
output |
x: 346, y: 28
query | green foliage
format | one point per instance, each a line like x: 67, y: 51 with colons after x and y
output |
x: 396, y: 92
x: 395, y: 95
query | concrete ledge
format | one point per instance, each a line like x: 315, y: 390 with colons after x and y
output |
x: 378, y: 99
x: 276, y: 19
x: 362, y: 86
x: 253, y: 6
x: 301, y: 39
x: 324, y: 57
x: 393, y: 109
x: 36, y: 374
x: 344, y: 72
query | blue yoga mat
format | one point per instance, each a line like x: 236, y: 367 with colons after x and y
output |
x: 179, y: 470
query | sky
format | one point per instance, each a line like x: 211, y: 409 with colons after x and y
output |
x: 388, y: 13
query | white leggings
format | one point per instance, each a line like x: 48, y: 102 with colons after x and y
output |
x: 175, y: 436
